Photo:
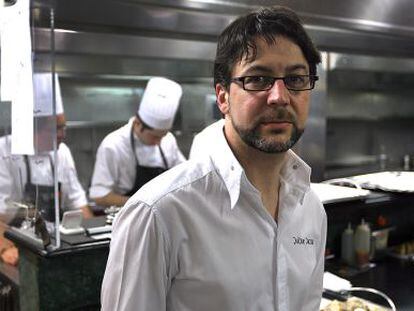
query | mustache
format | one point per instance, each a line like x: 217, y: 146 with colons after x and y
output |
x: 278, y: 114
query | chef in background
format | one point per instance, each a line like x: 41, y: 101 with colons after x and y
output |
x: 29, y: 178
x: 199, y: 147
x: 140, y: 150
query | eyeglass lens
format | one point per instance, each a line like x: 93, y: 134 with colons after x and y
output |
x: 296, y: 82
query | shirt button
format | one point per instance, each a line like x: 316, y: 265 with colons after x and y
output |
x: 295, y: 167
x: 232, y: 168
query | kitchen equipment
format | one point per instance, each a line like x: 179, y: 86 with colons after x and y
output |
x: 380, y: 238
x: 72, y: 223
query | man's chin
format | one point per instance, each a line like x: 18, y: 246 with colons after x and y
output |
x: 274, y: 146
x: 277, y: 142
x: 277, y: 137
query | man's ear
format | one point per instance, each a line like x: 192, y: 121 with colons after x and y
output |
x: 137, y: 124
x: 222, y: 99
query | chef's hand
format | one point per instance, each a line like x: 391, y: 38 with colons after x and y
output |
x: 86, y: 212
x: 10, y: 255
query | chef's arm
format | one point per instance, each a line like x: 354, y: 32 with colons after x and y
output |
x: 111, y: 198
x: 8, y: 252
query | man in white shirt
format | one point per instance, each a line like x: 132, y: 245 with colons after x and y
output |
x: 17, y: 171
x: 140, y: 150
x: 237, y: 228
x: 29, y: 178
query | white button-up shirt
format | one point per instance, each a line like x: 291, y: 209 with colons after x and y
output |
x: 115, y: 166
x: 199, y: 238
x: 13, y: 175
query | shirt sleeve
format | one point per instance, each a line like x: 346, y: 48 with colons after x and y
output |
x: 74, y: 195
x: 105, y: 173
x: 5, y: 180
x: 315, y: 293
x: 136, y: 271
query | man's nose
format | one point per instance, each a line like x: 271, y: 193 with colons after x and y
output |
x: 278, y: 94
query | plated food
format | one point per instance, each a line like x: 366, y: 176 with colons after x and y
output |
x: 406, y: 248
x: 352, y: 304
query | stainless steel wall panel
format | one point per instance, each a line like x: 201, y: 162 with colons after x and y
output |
x: 381, y: 16
x: 312, y: 145
x: 371, y: 63
x: 113, y: 68
x: 369, y: 113
x: 74, y: 42
x: 135, y: 17
x: 376, y: 27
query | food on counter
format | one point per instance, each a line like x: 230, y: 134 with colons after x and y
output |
x: 352, y: 304
x: 406, y: 248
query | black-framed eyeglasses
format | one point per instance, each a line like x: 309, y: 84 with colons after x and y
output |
x: 265, y: 83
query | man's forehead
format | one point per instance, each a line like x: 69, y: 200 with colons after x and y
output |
x: 292, y: 61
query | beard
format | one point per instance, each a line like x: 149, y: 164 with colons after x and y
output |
x: 252, y: 137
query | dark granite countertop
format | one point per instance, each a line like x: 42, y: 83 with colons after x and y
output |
x: 69, y: 244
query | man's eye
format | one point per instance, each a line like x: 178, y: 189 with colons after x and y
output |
x: 295, y: 80
x: 256, y: 80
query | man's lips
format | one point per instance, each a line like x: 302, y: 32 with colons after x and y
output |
x: 277, y: 121
x: 277, y: 124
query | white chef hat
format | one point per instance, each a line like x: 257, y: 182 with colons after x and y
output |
x: 160, y: 103
x: 43, y: 95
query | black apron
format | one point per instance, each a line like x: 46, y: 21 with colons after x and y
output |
x: 42, y: 197
x: 144, y: 174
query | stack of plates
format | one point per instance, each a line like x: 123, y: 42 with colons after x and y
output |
x: 332, y: 193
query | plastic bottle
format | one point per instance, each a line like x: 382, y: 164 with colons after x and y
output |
x: 362, y: 242
x: 406, y: 162
x: 347, y: 245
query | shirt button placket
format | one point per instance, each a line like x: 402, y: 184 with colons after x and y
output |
x: 276, y: 307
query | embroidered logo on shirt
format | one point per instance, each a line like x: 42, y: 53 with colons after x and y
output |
x: 302, y: 241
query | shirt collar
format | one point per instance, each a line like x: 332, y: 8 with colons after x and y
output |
x: 295, y: 172
x: 227, y: 166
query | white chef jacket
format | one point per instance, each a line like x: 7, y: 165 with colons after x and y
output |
x: 115, y: 163
x: 199, y: 238
x: 203, y: 140
x: 13, y: 175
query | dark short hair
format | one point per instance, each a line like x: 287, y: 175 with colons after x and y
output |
x: 145, y: 126
x: 238, y: 39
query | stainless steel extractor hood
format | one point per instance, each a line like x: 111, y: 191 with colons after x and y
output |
x: 139, y: 37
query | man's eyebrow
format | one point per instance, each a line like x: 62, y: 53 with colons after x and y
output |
x: 266, y: 70
x: 296, y: 67
x: 258, y: 68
